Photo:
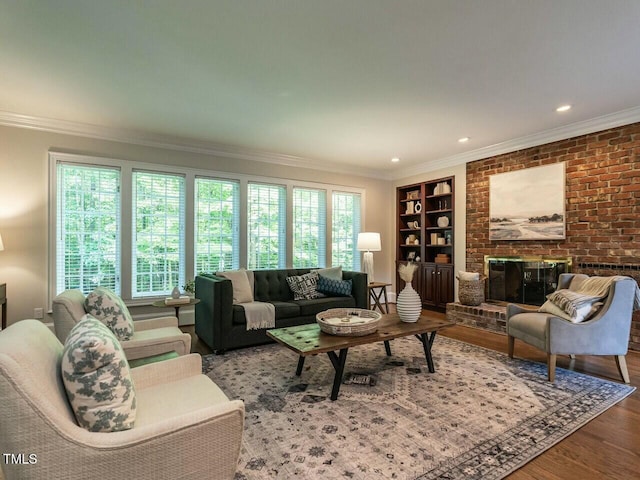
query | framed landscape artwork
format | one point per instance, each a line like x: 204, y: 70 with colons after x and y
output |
x: 528, y: 204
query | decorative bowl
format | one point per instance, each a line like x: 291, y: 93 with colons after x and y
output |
x: 348, y: 322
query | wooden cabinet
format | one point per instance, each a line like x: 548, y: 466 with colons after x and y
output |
x: 425, y: 234
x: 437, y: 284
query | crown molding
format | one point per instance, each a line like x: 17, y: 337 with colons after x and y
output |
x: 65, y: 127
x: 617, y: 119
x: 175, y: 143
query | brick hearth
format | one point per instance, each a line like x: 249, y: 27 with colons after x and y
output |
x: 487, y: 316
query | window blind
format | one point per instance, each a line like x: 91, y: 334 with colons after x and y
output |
x: 217, y: 225
x: 309, y: 227
x: 346, y: 224
x: 87, y: 227
x: 158, y: 215
x: 266, y: 229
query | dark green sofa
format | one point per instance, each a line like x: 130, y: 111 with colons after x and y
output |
x: 222, y: 325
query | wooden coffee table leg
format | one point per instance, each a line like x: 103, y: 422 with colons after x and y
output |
x: 300, y: 365
x: 387, y: 348
x: 338, y: 365
x: 426, y: 344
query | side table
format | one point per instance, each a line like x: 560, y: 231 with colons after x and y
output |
x: 376, y: 296
x: 161, y: 304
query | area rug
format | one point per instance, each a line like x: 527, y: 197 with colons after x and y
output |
x: 481, y: 415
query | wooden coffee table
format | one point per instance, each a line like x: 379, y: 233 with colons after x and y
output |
x: 308, y: 340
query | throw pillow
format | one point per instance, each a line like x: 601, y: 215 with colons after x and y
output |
x: 333, y: 273
x: 242, y: 292
x: 304, y: 286
x: 470, y: 276
x: 340, y: 288
x: 109, y: 308
x: 96, y: 376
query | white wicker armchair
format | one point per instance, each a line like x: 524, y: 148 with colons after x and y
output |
x: 185, y: 425
x: 151, y: 337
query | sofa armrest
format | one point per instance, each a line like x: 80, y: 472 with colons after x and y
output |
x: 359, y: 289
x: 214, y: 313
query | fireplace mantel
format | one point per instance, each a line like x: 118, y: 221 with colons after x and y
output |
x: 523, y: 279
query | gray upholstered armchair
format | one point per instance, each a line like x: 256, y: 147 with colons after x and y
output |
x: 606, y: 333
x: 151, y: 337
x: 185, y: 425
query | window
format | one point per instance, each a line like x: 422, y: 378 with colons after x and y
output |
x: 309, y: 228
x: 158, y: 233
x: 125, y: 225
x: 217, y: 225
x: 345, y: 228
x: 88, y: 227
x: 267, y: 219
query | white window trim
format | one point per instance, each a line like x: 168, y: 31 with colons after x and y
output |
x: 128, y: 166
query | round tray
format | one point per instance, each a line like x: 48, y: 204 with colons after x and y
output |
x: 355, y: 322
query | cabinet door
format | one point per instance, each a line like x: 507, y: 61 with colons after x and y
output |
x: 444, y: 275
x: 428, y: 292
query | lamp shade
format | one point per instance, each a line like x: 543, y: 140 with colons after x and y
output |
x: 369, y: 242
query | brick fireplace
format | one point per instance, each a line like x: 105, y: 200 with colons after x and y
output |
x: 602, y: 207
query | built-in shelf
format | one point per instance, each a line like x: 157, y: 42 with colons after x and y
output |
x: 434, y: 277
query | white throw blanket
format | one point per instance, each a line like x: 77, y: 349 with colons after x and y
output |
x: 259, y: 315
x: 589, y: 291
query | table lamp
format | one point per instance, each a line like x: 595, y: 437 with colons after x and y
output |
x: 369, y: 242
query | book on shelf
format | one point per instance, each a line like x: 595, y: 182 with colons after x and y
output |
x: 181, y: 300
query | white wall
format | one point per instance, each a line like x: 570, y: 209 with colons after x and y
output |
x: 24, y: 204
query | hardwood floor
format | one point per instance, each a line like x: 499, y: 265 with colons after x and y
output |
x: 608, y: 447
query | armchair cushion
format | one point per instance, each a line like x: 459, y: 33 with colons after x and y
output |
x: 108, y: 307
x: 96, y: 376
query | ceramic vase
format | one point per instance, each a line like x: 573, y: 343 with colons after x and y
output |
x: 409, y: 304
x: 175, y: 293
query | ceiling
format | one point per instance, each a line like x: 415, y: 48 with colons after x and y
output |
x: 337, y: 84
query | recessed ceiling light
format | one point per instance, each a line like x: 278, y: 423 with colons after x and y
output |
x: 463, y: 139
x: 563, y: 108
x: 395, y: 159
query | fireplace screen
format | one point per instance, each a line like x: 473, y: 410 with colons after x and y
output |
x: 525, y: 280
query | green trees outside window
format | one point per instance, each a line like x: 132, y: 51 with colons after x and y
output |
x: 267, y: 217
x: 217, y: 225
x: 158, y: 229
x: 309, y: 228
x: 345, y: 228
x: 88, y: 227
x: 125, y: 225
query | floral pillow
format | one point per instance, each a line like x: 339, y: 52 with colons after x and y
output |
x: 109, y: 308
x: 97, y: 379
x: 304, y: 286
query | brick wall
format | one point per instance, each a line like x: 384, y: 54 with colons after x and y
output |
x: 602, y: 205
